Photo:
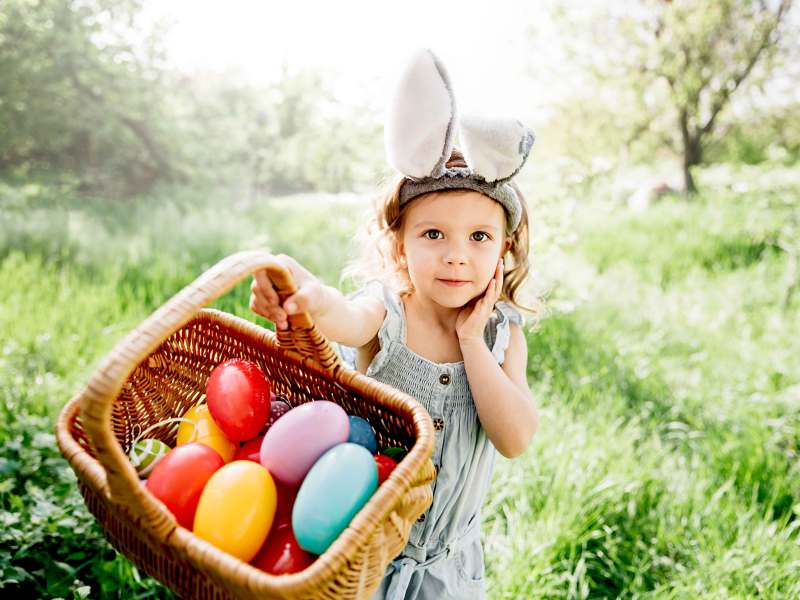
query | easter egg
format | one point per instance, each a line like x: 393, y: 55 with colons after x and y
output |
x: 335, y: 489
x: 281, y: 554
x: 361, y: 433
x: 277, y: 409
x: 238, y: 397
x: 203, y: 429
x: 296, y: 440
x: 394, y: 452
x: 286, y: 498
x: 386, y: 465
x: 178, y: 479
x: 250, y: 450
x: 236, y: 509
x: 145, y: 455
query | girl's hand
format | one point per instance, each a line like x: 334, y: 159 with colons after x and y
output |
x: 472, y: 319
x: 310, y: 295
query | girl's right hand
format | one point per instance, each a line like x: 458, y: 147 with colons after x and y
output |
x: 310, y: 295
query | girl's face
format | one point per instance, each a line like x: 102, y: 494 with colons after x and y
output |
x: 451, y: 242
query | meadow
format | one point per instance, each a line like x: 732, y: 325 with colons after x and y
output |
x: 666, y: 367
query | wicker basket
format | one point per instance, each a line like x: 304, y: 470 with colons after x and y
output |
x: 159, y: 370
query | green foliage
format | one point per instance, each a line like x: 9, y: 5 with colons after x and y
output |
x: 86, y: 92
x: 768, y: 136
x: 667, y: 374
x: 52, y: 546
x: 669, y: 446
x: 746, y: 223
x: 286, y: 137
x: 80, y: 95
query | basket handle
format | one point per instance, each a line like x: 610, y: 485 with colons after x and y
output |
x: 302, y: 338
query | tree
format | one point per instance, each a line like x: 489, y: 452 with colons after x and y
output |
x: 705, y: 56
x: 82, y: 89
x: 663, y: 72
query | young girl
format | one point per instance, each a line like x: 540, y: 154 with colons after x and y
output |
x: 436, y: 321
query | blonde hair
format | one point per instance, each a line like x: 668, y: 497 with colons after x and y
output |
x: 380, y: 244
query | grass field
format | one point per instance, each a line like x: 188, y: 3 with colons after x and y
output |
x: 666, y: 368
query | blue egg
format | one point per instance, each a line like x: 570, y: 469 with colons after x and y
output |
x: 361, y: 433
x: 335, y: 489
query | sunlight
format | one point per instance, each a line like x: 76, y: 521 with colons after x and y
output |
x: 361, y: 46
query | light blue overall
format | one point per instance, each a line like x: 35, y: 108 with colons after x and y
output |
x: 444, y: 557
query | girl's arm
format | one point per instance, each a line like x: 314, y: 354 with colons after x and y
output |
x: 349, y: 322
x: 504, y: 402
x: 502, y: 397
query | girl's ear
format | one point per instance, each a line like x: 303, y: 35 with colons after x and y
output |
x: 401, y: 252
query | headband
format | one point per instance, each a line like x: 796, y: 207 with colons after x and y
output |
x: 420, y: 131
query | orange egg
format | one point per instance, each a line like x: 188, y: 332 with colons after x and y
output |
x: 204, y: 430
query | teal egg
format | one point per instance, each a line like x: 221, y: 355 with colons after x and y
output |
x: 333, y: 491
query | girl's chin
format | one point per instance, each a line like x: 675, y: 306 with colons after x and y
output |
x: 454, y: 298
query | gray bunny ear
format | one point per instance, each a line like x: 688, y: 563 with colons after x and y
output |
x: 495, y: 149
x: 420, y: 126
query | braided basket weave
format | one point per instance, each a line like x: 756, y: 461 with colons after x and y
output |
x: 159, y: 371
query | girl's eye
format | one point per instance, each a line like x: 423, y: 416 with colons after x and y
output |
x: 432, y: 234
x: 483, y: 236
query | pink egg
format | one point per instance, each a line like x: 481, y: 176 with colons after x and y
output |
x: 294, y: 443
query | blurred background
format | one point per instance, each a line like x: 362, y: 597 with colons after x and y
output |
x: 142, y: 141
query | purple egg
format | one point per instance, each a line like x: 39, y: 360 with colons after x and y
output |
x: 277, y: 409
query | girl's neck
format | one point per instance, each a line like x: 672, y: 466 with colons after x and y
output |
x: 429, y: 314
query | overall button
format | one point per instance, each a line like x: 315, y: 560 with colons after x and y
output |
x: 444, y: 378
x: 438, y: 424
x: 421, y: 518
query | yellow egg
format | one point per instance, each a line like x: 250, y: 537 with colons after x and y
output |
x: 203, y: 429
x: 236, y: 508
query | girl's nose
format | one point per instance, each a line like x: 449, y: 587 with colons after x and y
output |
x: 455, y: 256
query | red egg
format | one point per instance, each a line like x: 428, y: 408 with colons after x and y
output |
x: 386, y: 465
x: 238, y: 397
x: 251, y: 450
x: 286, y: 497
x: 178, y: 479
x: 281, y: 554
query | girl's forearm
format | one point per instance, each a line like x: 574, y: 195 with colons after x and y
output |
x: 507, y: 414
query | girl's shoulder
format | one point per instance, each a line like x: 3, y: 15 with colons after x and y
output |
x: 506, y: 311
x: 383, y: 292
x: 378, y: 289
x: 392, y: 326
x: 498, y: 329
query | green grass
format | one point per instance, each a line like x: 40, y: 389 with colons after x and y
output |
x: 667, y: 373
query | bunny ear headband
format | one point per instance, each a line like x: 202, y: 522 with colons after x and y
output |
x: 419, y: 135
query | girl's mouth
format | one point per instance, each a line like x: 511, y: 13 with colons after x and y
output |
x: 453, y: 282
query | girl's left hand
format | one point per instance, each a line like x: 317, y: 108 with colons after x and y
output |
x: 472, y: 319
